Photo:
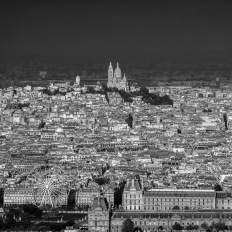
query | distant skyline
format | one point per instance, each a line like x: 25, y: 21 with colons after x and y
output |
x: 122, y: 30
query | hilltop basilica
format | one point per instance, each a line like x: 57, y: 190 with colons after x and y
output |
x: 115, y: 79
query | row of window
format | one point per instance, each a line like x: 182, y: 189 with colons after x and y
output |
x: 138, y: 196
x: 99, y: 223
x: 224, y: 201
x: 132, y: 196
x: 222, y: 207
x: 177, y: 199
x: 190, y: 204
x: 171, y: 207
x: 98, y: 218
x: 10, y: 193
x: 179, y: 203
x: 131, y: 207
x: 161, y: 207
x: 12, y: 198
x: 137, y: 202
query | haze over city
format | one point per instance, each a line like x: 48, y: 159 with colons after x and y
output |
x: 116, y: 116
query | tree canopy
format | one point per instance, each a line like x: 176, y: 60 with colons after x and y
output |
x: 217, y: 187
x: 55, y: 92
x: 176, y: 207
x: 191, y: 227
x: 147, y: 97
x: 32, y: 209
x: 177, y: 226
x: 218, y: 226
x: 128, y: 225
x: 129, y: 120
x: 138, y: 229
x: 207, y: 110
x: 204, y: 225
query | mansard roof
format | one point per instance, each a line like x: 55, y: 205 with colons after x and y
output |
x: 132, y: 184
x: 99, y: 202
x: 180, y: 193
x: 221, y: 194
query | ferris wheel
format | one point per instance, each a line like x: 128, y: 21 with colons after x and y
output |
x: 49, y: 185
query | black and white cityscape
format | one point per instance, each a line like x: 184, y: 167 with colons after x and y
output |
x: 116, y: 116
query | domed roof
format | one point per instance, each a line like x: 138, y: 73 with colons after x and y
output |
x: 117, y: 71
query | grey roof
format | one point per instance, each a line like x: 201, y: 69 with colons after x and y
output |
x: 132, y: 184
x: 99, y: 202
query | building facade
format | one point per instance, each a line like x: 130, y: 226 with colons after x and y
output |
x: 18, y: 195
x: 133, y: 195
x: 114, y: 98
x: 155, y: 200
x: 86, y: 195
x: 152, y: 221
x: 181, y: 199
x: 224, y: 200
x: 108, y: 193
x: 98, y: 216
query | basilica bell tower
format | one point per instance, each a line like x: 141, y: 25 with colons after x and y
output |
x: 110, y: 75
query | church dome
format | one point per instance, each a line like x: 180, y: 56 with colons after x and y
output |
x: 118, y: 72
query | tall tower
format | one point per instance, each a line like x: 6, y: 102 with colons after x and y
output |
x: 117, y: 74
x: 110, y: 75
x: 78, y: 80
